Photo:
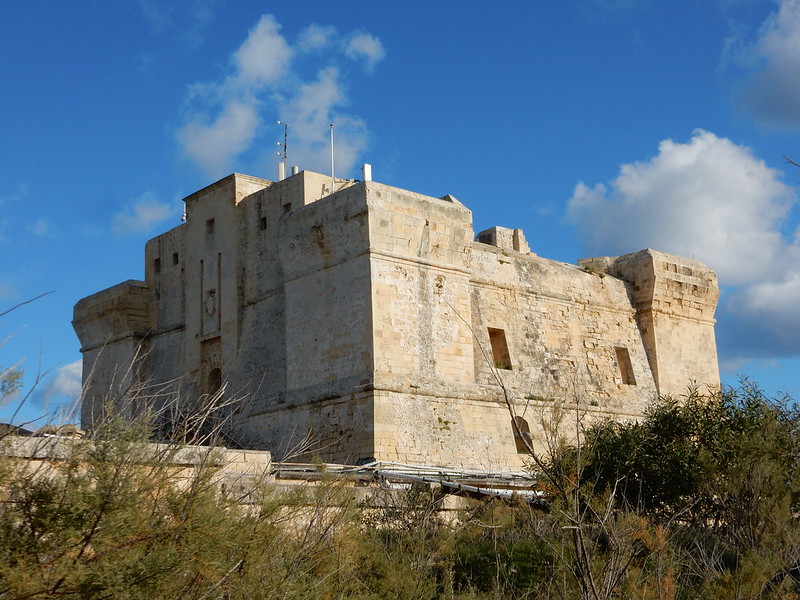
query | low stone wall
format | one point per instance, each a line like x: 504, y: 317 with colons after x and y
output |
x: 233, y: 468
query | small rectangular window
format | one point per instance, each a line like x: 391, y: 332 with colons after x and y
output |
x: 625, y: 366
x: 157, y: 265
x: 210, y: 227
x: 262, y: 223
x: 500, y: 354
x: 175, y: 258
x: 287, y: 207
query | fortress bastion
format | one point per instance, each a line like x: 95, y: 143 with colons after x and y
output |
x: 374, y: 322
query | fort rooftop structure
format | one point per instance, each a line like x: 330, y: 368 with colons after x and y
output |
x: 372, y: 319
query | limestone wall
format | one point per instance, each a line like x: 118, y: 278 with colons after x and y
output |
x: 565, y: 330
x: 339, y: 429
x: 675, y: 299
x: 112, y: 326
x: 473, y: 433
x: 165, y: 266
x: 438, y: 298
x: 419, y: 262
x: 323, y: 250
x: 304, y: 337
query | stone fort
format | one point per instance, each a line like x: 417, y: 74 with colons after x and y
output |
x: 372, y: 321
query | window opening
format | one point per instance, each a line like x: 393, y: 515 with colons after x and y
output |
x: 175, y: 258
x: 262, y: 223
x: 625, y: 366
x: 522, y: 434
x: 500, y: 355
x: 157, y: 265
x: 214, y: 381
x: 210, y: 227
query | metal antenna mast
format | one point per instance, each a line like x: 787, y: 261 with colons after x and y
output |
x: 285, y: 145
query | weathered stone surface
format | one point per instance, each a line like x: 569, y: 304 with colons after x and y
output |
x: 369, y: 320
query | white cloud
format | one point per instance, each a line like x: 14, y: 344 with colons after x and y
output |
x: 772, y: 89
x: 763, y: 318
x: 264, y: 56
x: 144, y: 214
x: 366, y: 47
x: 776, y: 297
x: 228, y: 118
x: 63, y: 388
x: 715, y: 201
x: 214, y: 146
x: 315, y: 37
x: 708, y: 198
x: 67, y: 381
x: 310, y: 112
x: 265, y: 84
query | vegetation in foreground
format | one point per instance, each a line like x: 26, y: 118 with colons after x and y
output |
x: 699, y: 500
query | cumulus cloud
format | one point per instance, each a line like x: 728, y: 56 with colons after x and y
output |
x: 264, y: 56
x: 715, y: 201
x: 762, y: 320
x: 224, y: 118
x: 708, y: 198
x: 141, y: 216
x: 365, y: 47
x: 214, y: 145
x: 311, y: 111
x: 315, y: 37
x: 772, y: 86
x: 61, y: 389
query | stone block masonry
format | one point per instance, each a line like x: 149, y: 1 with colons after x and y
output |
x: 364, y: 322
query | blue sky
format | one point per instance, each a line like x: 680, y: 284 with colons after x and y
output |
x: 598, y: 126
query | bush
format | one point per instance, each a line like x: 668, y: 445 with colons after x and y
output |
x: 719, y: 471
x: 698, y: 500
